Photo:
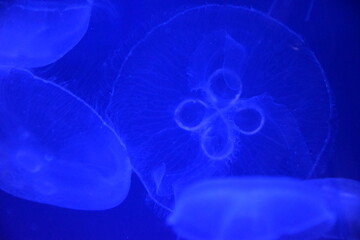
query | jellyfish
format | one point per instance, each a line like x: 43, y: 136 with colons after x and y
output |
x: 261, y: 208
x: 343, y: 197
x: 36, y: 33
x: 55, y: 149
x: 220, y: 90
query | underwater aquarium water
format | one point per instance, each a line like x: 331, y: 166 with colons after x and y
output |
x: 179, y: 120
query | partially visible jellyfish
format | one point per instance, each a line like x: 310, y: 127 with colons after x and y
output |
x: 248, y: 208
x: 35, y: 33
x: 343, y: 196
x: 55, y: 149
x: 220, y: 90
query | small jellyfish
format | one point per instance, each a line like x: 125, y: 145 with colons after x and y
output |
x: 220, y: 90
x: 343, y: 196
x: 55, y: 149
x: 248, y: 208
x: 35, y: 33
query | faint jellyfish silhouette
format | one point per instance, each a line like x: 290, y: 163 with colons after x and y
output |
x: 36, y: 33
x: 55, y: 149
x: 343, y: 196
x: 251, y: 208
x: 220, y: 90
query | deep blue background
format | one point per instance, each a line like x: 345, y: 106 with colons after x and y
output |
x: 332, y: 32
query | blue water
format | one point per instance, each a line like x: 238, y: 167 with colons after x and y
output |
x: 331, y: 29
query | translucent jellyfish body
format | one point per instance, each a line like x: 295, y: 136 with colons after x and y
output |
x: 260, y: 208
x: 55, y: 149
x: 343, y: 197
x: 220, y: 90
x: 35, y: 33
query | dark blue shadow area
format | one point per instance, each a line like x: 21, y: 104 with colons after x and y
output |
x: 329, y: 28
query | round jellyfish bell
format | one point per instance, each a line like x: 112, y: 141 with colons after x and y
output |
x: 220, y: 90
x: 55, y: 149
x: 35, y: 33
x: 261, y: 208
